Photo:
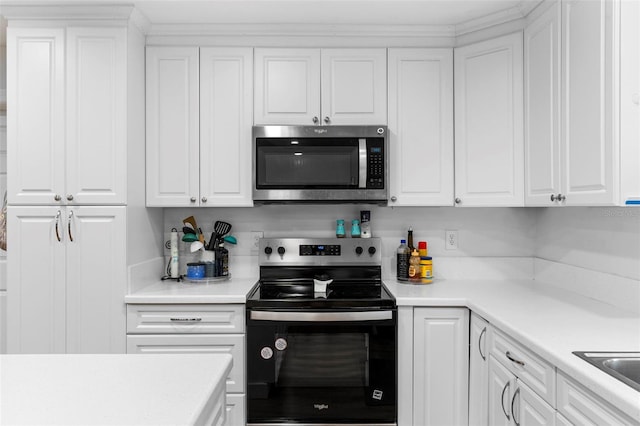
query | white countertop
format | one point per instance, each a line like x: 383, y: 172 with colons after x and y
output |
x: 109, y: 389
x: 550, y: 321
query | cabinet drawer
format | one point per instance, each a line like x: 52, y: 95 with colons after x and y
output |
x: 232, y: 344
x: 581, y: 407
x: 538, y: 374
x: 171, y: 319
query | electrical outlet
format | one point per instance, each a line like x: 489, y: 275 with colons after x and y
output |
x: 255, y: 241
x: 451, y: 240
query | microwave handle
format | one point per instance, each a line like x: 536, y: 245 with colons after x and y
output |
x: 362, y: 145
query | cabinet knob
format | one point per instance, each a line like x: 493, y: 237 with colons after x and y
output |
x: 458, y: 200
x: 193, y: 199
x: 315, y: 120
x: 327, y: 120
x: 69, y: 197
x: 394, y: 198
x: 204, y: 199
x: 561, y: 197
x: 553, y: 198
x: 57, y: 197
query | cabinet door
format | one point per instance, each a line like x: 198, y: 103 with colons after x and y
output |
x: 528, y: 409
x: 232, y: 344
x: 489, y: 148
x: 588, y: 110
x: 287, y: 86
x: 96, y: 154
x: 501, y: 389
x: 36, y: 280
x: 542, y: 108
x: 96, y: 279
x: 226, y: 96
x: 354, y: 86
x: 236, y: 409
x: 35, y: 113
x: 441, y: 354
x: 3, y: 322
x: 172, y: 126
x: 421, y: 127
x: 478, y: 372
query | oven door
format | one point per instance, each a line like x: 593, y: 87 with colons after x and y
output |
x: 321, y: 367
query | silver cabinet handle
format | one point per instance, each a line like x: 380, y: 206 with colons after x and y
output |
x: 57, y: 226
x: 394, y: 198
x: 514, y: 360
x: 458, y: 200
x: 315, y: 120
x: 185, y: 319
x: 482, y: 333
x: 193, y: 199
x: 70, y: 197
x: 502, y: 400
x: 513, y: 400
x: 69, y: 225
x: 327, y: 120
x: 321, y: 316
x: 204, y: 199
x: 57, y: 197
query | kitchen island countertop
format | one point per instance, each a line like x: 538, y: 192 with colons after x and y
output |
x: 112, y: 389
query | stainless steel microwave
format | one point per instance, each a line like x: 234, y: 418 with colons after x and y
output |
x: 320, y: 164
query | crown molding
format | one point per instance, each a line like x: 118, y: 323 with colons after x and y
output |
x: 506, y: 16
x: 17, y: 11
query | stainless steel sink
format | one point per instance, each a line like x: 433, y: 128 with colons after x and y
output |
x: 624, y: 366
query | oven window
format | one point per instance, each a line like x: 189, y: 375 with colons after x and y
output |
x: 321, y: 373
x: 307, y: 163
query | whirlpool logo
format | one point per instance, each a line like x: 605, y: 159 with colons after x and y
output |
x: 320, y: 131
x: 321, y: 407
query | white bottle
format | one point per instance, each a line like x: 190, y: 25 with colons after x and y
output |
x: 173, y: 268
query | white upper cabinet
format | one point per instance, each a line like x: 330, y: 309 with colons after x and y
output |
x: 67, y: 135
x: 489, y: 147
x: 199, y: 126
x: 542, y: 107
x: 320, y: 86
x: 226, y: 96
x: 581, y: 119
x: 287, y: 86
x: 173, y: 139
x: 421, y: 127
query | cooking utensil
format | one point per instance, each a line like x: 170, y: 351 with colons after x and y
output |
x: 220, y: 229
x: 230, y: 239
x: 196, y: 245
x: 189, y: 238
x: 188, y: 230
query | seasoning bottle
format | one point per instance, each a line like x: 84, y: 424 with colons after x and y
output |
x: 410, y: 239
x: 422, y: 248
x: 426, y: 270
x: 365, y: 221
x: 402, y: 263
x: 222, y: 261
x: 414, y: 266
x: 340, y: 228
x: 355, y: 228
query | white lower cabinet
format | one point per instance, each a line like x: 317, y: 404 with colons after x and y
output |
x: 194, y: 328
x: 433, y: 354
x: 478, y: 371
x: 511, y: 402
x: 66, y: 279
x: 581, y: 407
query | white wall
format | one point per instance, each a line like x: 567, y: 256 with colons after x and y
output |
x: 482, y: 232
x: 604, y: 239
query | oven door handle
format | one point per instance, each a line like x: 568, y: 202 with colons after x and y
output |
x: 320, y: 316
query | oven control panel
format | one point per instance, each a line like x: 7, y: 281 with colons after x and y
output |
x: 319, y: 251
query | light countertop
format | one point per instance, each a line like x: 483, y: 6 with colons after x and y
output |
x: 550, y: 321
x: 110, y: 389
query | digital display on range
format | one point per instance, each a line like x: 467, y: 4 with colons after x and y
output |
x: 320, y: 250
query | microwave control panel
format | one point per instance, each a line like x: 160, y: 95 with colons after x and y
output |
x: 375, y: 163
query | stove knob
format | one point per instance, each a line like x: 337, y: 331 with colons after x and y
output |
x: 268, y: 250
x: 358, y: 250
x: 281, y: 250
x: 372, y: 250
